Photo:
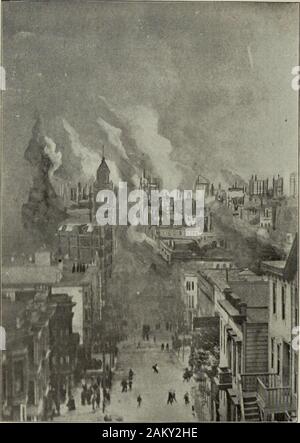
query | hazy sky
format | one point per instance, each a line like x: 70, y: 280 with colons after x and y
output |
x: 193, y: 87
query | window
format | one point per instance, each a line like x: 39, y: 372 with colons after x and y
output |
x: 278, y: 359
x: 274, y: 297
x: 192, y: 285
x: 283, y: 302
x: 19, y: 381
x: 272, y: 352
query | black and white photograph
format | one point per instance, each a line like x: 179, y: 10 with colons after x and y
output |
x: 149, y: 212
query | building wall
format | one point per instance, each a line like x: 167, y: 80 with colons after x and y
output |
x: 280, y: 331
x: 256, y: 347
x: 77, y: 294
x: 279, y: 327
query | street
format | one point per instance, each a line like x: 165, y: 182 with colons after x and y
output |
x: 152, y: 387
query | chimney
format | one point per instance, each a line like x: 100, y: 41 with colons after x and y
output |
x: 243, y: 309
x: 227, y: 292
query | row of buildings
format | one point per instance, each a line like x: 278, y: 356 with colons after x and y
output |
x: 257, y: 374
x: 55, y: 311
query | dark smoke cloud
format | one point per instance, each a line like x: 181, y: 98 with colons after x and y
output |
x: 43, y: 210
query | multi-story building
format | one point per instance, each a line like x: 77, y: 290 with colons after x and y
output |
x: 86, y: 244
x: 64, y: 347
x: 277, y: 186
x: 266, y: 219
x: 83, y: 284
x: 293, y: 184
x: 235, y: 197
x: 243, y: 314
x: 278, y: 402
x: 26, y: 369
x: 258, y: 187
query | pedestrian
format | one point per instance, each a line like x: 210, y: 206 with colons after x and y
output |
x: 98, y: 398
x: 170, y: 398
x: 174, y: 395
x: 107, y: 396
x: 193, y: 410
x: 139, y: 345
x: 186, y: 398
x: 162, y: 347
x: 167, y: 347
x: 130, y: 384
x: 93, y: 401
x: 63, y: 394
x: 71, y: 403
x: 139, y: 400
x: 124, y: 385
x: 130, y: 374
x: 155, y: 368
x: 83, y: 396
x: 52, y: 410
x: 89, y: 394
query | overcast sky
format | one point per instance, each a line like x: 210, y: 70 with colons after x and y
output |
x: 207, y: 85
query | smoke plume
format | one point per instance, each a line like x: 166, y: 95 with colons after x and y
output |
x: 44, y: 209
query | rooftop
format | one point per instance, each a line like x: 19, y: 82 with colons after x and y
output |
x: 254, y: 293
x: 72, y: 277
x: 30, y: 275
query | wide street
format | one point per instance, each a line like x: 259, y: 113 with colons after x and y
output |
x: 152, y: 387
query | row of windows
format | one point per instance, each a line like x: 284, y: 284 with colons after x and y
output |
x: 62, y: 360
x: 190, y: 285
x: 190, y: 301
x: 282, y: 300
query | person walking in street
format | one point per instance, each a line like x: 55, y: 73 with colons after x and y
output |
x: 139, y: 400
x: 155, y: 368
x: 174, y: 395
x: 130, y: 374
x: 186, y: 398
x: 93, y: 401
x: 130, y: 384
x: 83, y: 396
x: 98, y: 398
x: 167, y: 347
x: 71, y: 403
x: 170, y: 398
x: 124, y: 385
x: 89, y: 394
x: 162, y: 347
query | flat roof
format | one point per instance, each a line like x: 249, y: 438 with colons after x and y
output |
x: 30, y: 275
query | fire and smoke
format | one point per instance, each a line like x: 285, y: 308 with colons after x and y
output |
x: 44, y: 209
